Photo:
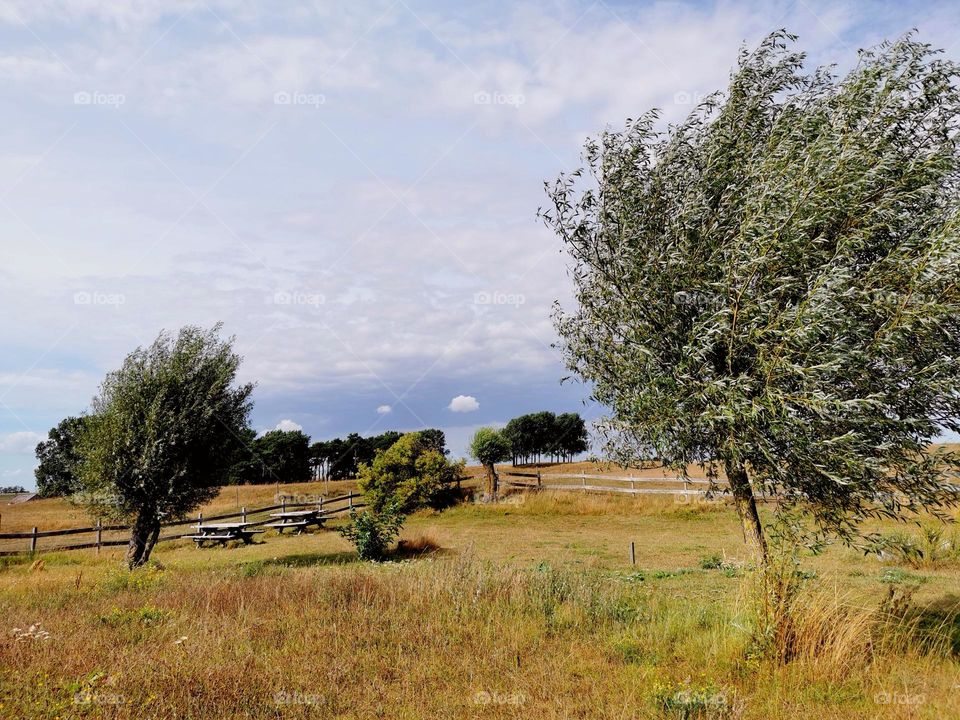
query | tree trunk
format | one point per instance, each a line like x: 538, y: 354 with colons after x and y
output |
x: 143, y: 536
x: 491, y: 482
x: 746, y: 505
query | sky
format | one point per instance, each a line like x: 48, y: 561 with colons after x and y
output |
x: 350, y: 187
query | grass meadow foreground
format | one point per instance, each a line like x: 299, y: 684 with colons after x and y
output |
x: 529, y: 608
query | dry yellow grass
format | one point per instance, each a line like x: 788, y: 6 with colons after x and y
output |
x: 527, y: 608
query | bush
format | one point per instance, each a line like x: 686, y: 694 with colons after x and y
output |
x: 373, y: 531
x: 410, y: 473
x: 929, y: 548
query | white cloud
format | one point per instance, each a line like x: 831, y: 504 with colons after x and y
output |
x: 101, y: 202
x: 288, y: 426
x: 463, y: 404
x: 24, y: 442
x: 383, y: 409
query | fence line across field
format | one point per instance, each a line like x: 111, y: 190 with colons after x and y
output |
x: 542, y: 481
x: 98, y: 529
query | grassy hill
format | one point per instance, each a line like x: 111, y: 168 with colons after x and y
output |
x: 526, y: 608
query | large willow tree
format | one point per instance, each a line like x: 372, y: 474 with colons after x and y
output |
x: 772, y: 287
x: 164, y: 433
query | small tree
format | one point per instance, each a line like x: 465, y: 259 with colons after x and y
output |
x: 59, y: 463
x: 489, y: 447
x: 410, y: 474
x: 772, y: 287
x: 163, y: 433
x: 373, y: 531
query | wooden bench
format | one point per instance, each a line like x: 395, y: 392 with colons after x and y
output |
x: 281, y: 526
x: 222, y: 533
x: 298, y: 519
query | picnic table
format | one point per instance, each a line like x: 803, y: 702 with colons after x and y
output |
x: 223, y: 533
x: 296, y: 519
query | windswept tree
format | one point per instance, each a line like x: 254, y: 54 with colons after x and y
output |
x: 772, y: 287
x: 164, y: 432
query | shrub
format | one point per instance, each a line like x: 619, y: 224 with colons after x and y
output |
x: 930, y: 547
x: 410, y: 473
x: 372, y: 531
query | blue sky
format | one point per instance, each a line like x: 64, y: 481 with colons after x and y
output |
x: 350, y: 187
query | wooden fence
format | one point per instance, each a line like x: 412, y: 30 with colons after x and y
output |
x: 608, y: 483
x: 257, y: 515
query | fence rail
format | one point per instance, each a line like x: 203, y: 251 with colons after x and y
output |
x: 611, y: 484
x: 98, y: 529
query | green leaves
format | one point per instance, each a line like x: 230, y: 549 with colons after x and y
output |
x: 775, y: 280
x: 165, y: 426
x: 410, y: 474
x: 489, y: 446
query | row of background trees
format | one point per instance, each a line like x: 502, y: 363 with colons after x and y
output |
x: 535, y: 436
x: 289, y: 455
x: 277, y: 455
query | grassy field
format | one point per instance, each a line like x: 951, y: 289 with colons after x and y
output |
x: 529, y: 608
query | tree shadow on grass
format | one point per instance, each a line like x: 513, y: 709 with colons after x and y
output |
x: 415, y: 549
x: 418, y: 547
x: 937, y: 623
x: 301, y: 560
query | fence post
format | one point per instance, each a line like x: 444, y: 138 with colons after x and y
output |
x: 244, y: 511
x: 633, y: 554
x: 283, y: 504
x: 199, y: 519
x: 583, y: 479
x: 33, y: 541
x: 539, y: 481
x: 99, y: 535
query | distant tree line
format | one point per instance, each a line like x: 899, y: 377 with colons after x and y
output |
x: 540, y: 435
x: 341, y: 458
x: 275, y: 456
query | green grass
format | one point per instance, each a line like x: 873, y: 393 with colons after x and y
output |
x: 530, y: 609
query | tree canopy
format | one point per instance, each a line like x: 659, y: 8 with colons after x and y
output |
x: 275, y: 456
x: 163, y: 432
x: 535, y: 435
x: 58, y: 460
x: 771, y: 287
x: 408, y: 475
x: 490, y: 446
x: 339, y: 459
